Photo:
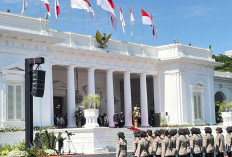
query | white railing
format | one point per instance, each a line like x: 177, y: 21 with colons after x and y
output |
x: 222, y: 74
x: 113, y: 46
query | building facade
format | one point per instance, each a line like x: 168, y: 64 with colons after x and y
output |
x: 175, y: 80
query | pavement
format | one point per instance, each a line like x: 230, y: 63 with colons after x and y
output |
x: 95, y: 155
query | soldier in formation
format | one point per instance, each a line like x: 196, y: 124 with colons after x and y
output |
x: 121, y: 145
x: 168, y: 144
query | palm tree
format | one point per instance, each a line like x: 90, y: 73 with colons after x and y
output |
x: 91, y: 101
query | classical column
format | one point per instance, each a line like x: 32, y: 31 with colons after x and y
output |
x: 91, y: 81
x: 127, y: 99
x: 110, y: 97
x: 71, y: 97
x: 143, y: 99
x: 51, y: 96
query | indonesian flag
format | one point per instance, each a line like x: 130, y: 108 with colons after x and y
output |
x: 24, y: 6
x: 47, y: 6
x: 114, y: 20
x: 153, y: 27
x: 83, y: 4
x: 146, y: 18
x: 57, y: 9
x: 107, y: 5
x: 132, y: 20
x: 122, y: 20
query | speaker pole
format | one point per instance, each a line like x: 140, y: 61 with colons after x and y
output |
x: 29, y: 63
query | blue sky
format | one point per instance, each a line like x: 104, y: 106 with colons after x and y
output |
x: 199, y: 22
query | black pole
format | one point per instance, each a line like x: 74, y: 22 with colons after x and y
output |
x: 29, y: 63
x: 28, y: 104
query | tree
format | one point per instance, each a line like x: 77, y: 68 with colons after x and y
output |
x: 227, y: 66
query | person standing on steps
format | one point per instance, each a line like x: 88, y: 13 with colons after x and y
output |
x: 122, y: 120
x: 121, y: 145
x: 219, y: 143
x: 116, y: 119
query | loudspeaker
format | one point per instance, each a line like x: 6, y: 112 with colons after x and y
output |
x: 38, y: 83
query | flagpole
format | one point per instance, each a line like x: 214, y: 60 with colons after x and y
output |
x: 142, y: 30
x: 97, y: 14
x: 153, y: 40
x: 84, y: 20
x: 108, y: 22
x: 70, y: 35
x: 40, y: 18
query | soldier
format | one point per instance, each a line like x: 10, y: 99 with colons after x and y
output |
x: 157, y: 144
x: 121, y: 145
x: 195, y: 143
x: 166, y: 144
x: 172, y: 134
x: 136, y: 141
x: 181, y: 144
x: 208, y: 142
x: 150, y: 143
x: 187, y: 135
x: 229, y: 141
x: 219, y: 143
x: 142, y: 150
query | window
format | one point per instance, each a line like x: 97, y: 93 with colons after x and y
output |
x: 15, y: 103
x: 197, y: 105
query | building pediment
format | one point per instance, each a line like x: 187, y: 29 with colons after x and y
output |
x: 15, y: 66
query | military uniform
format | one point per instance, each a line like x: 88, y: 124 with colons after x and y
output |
x: 181, y: 145
x: 229, y: 144
x: 196, y: 145
x: 142, y: 148
x: 121, y: 148
x: 208, y: 144
x: 157, y: 146
x: 135, y: 144
x: 188, y: 145
x: 220, y: 145
x: 173, y: 143
x: 150, y: 145
x: 166, y: 147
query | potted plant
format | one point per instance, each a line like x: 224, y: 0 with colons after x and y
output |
x: 92, y: 104
x: 225, y: 110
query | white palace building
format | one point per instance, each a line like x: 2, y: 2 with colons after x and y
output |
x: 175, y: 79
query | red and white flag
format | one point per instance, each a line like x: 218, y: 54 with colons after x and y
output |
x: 57, y: 9
x: 132, y: 21
x: 24, y: 6
x: 83, y: 4
x: 107, y: 5
x: 153, y: 26
x: 146, y: 18
x: 47, y: 6
x: 122, y: 20
x: 114, y: 20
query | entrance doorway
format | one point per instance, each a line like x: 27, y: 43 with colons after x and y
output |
x: 218, y: 98
x: 58, y: 105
